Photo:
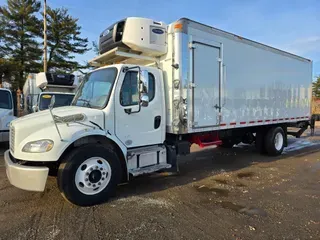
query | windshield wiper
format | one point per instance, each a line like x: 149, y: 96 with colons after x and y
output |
x: 85, y: 101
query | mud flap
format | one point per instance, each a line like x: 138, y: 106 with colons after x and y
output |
x: 172, y: 158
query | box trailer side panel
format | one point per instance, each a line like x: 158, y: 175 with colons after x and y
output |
x: 234, y: 82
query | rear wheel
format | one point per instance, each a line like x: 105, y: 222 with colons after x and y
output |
x: 274, y: 141
x: 89, y: 175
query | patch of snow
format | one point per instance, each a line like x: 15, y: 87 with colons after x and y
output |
x: 293, y: 144
x: 298, y: 144
x: 242, y: 145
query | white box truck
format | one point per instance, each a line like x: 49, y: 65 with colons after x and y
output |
x: 6, y: 113
x: 40, y: 87
x: 158, y: 89
x: 30, y: 93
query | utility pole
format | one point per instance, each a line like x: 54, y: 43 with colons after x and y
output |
x: 45, y: 36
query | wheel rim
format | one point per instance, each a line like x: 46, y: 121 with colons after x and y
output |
x: 278, y: 141
x: 93, y: 175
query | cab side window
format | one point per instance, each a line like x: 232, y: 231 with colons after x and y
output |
x: 129, y: 93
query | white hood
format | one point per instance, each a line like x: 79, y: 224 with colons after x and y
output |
x: 37, y: 121
x: 40, y: 125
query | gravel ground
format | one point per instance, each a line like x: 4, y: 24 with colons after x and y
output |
x: 219, y: 194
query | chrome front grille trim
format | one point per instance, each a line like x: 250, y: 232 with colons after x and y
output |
x: 11, y: 142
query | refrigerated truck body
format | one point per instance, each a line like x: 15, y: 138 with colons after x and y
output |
x: 41, y: 86
x: 156, y: 90
x: 30, y: 93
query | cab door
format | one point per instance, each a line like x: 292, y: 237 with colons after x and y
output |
x: 137, y: 125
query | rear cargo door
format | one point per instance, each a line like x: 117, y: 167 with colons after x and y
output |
x: 206, y: 84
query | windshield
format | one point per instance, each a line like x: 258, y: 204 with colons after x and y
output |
x: 5, y: 100
x: 95, y: 89
x: 60, y: 100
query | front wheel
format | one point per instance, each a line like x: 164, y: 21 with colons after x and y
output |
x: 89, y: 175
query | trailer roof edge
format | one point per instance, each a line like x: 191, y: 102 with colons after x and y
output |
x: 239, y: 38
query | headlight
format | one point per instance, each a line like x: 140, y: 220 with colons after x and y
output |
x: 40, y: 146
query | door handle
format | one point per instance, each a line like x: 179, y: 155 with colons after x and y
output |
x: 157, y: 122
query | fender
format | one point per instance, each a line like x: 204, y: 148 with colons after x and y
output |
x: 83, y: 134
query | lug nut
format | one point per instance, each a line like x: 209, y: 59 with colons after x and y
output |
x: 97, y: 167
x: 89, y: 184
x: 87, y: 174
x: 103, y: 173
x: 102, y: 179
x: 93, y: 185
x: 86, y: 179
x: 99, y: 183
x: 101, y: 169
x: 91, y: 169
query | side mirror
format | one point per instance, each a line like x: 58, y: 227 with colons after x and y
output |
x: 144, y: 100
x: 144, y: 87
x: 144, y: 81
x: 34, y: 108
x: 53, y: 100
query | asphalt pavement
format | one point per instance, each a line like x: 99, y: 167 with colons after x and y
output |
x: 219, y: 194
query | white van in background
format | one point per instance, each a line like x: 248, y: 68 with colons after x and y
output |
x: 40, y: 87
x: 6, y: 113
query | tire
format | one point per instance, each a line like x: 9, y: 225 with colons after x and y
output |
x: 274, y: 141
x: 89, y: 175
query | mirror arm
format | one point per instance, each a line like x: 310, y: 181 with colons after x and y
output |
x: 129, y: 110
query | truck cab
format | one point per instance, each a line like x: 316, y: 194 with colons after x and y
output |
x: 6, y: 113
x: 115, y: 90
x: 120, y: 106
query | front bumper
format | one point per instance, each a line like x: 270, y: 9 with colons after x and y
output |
x: 25, y: 177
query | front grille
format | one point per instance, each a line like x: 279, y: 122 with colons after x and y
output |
x: 12, y: 133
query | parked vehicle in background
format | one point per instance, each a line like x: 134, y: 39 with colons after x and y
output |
x: 315, y: 108
x: 6, y: 113
x: 61, y: 99
x: 173, y: 85
x: 40, y: 87
x: 30, y: 93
